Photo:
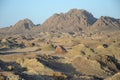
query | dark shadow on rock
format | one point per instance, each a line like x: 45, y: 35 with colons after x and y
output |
x: 8, y: 53
x: 11, y: 66
x: 57, y: 66
x: 29, y: 77
x: 2, y: 65
x: 108, y: 61
x: 5, y: 49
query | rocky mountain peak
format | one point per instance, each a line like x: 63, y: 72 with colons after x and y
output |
x: 106, y: 23
x: 26, y: 24
x: 74, y: 19
x: 22, y: 26
x: 78, y: 12
x: 83, y: 15
x: 109, y: 19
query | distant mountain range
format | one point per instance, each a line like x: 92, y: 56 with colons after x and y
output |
x: 74, y: 20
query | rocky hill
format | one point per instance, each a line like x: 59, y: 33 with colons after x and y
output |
x: 73, y: 21
x: 20, y: 26
x: 105, y: 23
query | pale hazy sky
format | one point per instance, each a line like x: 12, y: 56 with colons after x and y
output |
x: 38, y: 11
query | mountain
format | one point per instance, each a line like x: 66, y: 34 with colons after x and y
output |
x: 21, y: 26
x: 106, y: 24
x: 73, y: 20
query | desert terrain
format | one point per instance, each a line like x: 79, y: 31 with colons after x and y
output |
x: 67, y: 46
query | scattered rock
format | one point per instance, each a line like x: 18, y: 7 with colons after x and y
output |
x: 105, y: 45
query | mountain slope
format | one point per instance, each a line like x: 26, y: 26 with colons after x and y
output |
x: 106, y: 24
x: 73, y: 20
x: 21, y: 26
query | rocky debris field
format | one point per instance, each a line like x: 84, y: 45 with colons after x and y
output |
x: 59, y: 58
